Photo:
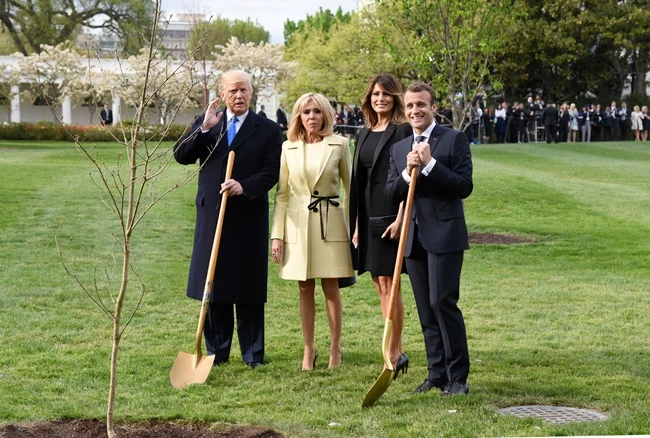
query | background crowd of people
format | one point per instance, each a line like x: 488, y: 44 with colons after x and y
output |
x: 526, y: 122
x: 536, y: 120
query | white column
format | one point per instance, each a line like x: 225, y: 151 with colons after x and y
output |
x: 15, y: 104
x: 66, y: 111
x: 117, y: 105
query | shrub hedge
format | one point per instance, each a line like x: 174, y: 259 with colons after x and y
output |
x: 51, y: 131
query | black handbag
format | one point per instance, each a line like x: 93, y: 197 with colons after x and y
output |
x: 378, y: 224
x: 347, y: 281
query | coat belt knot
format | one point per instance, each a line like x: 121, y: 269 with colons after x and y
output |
x: 313, y: 206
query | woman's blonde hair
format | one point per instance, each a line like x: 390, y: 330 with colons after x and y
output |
x: 296, y: 129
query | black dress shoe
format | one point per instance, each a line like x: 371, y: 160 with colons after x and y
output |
x: 402, y: 365
x: 219, y: 362
x: 428, y: 385
x: 454, y: 388
x: 254, y: 365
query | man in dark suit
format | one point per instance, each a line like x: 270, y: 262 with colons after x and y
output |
x: 241, y: 273
x: 281, y: 118
x: 550, y: 117
x: 261, y: 112
x: 437, y: 235
x: 623, y: 119
x: 106, y: 116
x: 345, y: 118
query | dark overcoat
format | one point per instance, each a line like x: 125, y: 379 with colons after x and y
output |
x: 242, y: 264
x: 380, y: 205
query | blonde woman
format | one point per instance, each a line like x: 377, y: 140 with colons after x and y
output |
x: 310, y: 234
x: 645, y: 123
x: 637, y: 122
x: 573, y: 123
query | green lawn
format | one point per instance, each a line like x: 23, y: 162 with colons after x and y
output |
x: 564, y: 321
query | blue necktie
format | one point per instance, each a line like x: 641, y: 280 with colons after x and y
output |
x: 232, y: 130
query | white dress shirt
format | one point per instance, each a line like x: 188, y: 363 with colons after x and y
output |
x: 427, y: 169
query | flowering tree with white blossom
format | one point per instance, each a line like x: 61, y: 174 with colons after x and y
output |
x: 263, y: 61
x: 171, y: 85
x: 49, y: 74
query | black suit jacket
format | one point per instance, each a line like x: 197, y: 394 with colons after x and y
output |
x: 379, y: 204
x: 242, y: 266
x: 106, y: 116
x: 438, y: 204
x: 550, y: 116
x: 281, y: 118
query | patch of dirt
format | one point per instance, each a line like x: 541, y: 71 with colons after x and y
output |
x: 97, y: 429
x: 498, y: 239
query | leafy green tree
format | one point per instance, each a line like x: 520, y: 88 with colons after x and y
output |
x: 565, y: 48
x: 207, y: 35
x: 338, y: 62
x: 323, y: 20
x: 248, y: 31
x: 35, y: 22
x: 7, y: 46
x: 450, y: 43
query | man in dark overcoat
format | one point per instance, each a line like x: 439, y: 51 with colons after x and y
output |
x: 281, y: 117
x: 550, y: 117
x: 437, y: 236
x: 242, y: 266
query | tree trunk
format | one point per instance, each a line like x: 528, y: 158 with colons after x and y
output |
x: 639, y: 79
x: 127, y: 229
x: 116, y: 339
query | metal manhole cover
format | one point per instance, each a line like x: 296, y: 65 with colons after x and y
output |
x: 555, y: 414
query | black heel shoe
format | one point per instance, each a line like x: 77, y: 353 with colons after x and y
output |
x: 402, y: 365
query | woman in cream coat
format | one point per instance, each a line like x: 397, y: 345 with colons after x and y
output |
x: 310, y: 235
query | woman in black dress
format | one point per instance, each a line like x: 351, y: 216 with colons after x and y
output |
x: 375, y: 222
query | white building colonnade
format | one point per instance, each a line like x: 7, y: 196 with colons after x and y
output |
x: 18, y: 108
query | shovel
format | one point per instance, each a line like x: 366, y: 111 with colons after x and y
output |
x: 195, y: 368
x: 383, y: 381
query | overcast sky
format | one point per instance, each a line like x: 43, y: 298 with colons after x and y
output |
x: 271, y: 14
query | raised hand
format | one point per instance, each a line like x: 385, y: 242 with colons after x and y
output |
x: 212, y: 115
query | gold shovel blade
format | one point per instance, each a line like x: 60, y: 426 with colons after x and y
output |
x: 184, y: 372
x: 378, y: 388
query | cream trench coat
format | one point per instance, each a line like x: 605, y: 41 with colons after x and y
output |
x: 317, y: 240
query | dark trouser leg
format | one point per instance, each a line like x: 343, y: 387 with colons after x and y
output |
x: 250, y: 331
x: 218, y: 329
x: 551, y: 134
x: 444, y: 289
x: 436, y: 284
x: 623, y: 130
x: 417, y: 266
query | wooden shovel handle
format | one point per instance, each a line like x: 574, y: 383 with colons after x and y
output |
x: 207, y: 292
x: 395, y: 286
